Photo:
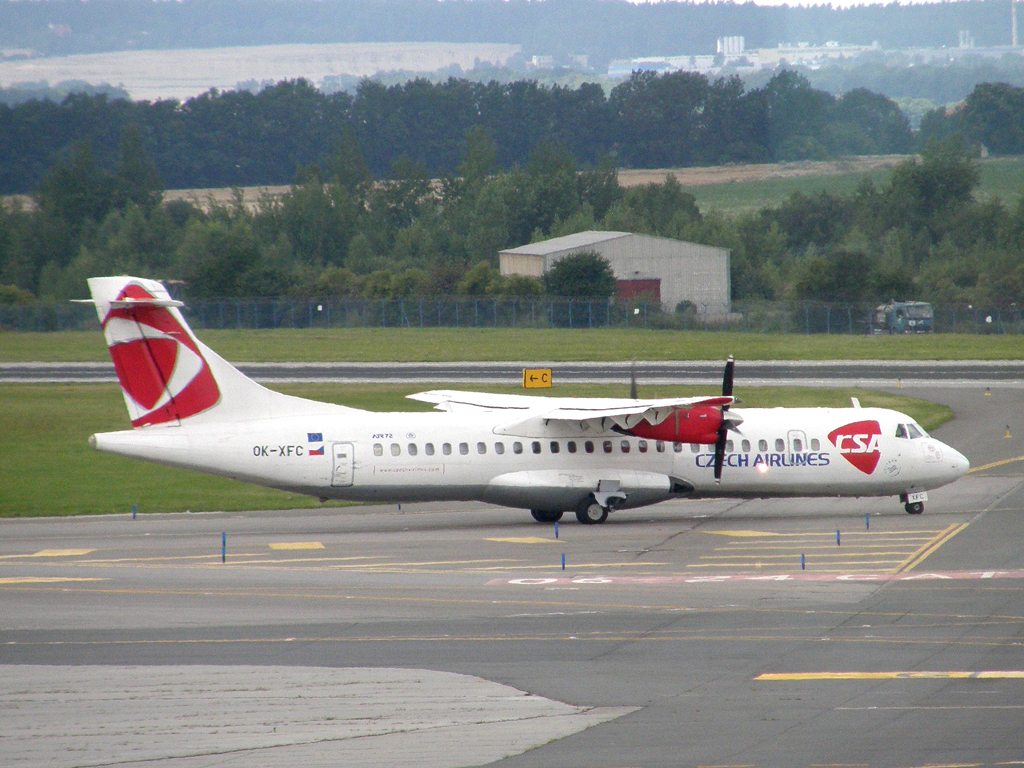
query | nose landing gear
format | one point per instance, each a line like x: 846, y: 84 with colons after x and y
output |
x: 914, y: 502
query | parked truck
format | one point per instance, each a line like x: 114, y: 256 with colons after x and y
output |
x: 904, y: 317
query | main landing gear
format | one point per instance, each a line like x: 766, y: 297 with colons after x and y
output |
x: 544, y: 516
x: 592, y: 513
x: 914, y: 507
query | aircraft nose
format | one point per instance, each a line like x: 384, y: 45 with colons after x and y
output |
x: 958, y: 463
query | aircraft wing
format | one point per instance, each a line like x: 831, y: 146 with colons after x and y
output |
x: 588, y: 411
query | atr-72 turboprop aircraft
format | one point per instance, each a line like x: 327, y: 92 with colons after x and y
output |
x: 192, y: 409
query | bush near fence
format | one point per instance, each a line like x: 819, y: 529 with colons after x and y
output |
x: 486, y: 312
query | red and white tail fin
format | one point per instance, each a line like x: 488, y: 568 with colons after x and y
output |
x: 167, y: 375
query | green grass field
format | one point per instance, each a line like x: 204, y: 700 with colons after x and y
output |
x: 1000, y: 177
x: 556, y: 345
x: 49, y: 469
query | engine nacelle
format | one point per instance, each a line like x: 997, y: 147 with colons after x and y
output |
x: 695, y: 425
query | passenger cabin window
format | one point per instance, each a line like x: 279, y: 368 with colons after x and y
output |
x: 481, y: 448
x: 413, y: 450
x: 571, y: 446
x: 428, y: 449
x: 554, y: 446
x: 746, y: 446
x: 815, y: 444
x: 624, y: 444
x: 780, y: 445
x: 396, y: 449
x: 659, y: 446
x: 517, y: 447
x: 464, y: 448
x: 607, y: 446
x: 378, y: 449
x: 798, y: 445
x: 677, y: 447
x: 694, y: 448
x: 762, y: 446
x: 642, y: 446
x: 446, y: 449
x: 499, y: 448
x: 535, y: 446
x: 728, y: 446
x: 589, y: 446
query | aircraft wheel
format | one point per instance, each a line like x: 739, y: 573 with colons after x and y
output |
x: 544, y: 516
x: 916, y: 508
x: 592, y: 514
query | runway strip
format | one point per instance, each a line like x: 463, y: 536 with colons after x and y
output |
x: 845, y: 373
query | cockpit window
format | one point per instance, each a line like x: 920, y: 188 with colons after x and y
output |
x: 915, y: 431
x: 901, y: 431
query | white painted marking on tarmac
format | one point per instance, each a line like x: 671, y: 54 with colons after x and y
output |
x: 682, y: 578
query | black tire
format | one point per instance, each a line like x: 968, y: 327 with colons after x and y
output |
x: 544, y: 516
x: 592, y: 514
x: 914, y: 508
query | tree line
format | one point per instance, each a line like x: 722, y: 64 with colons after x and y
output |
x: 338, y: 231
x: 239, y: 138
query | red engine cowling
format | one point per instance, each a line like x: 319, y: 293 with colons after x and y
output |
x: 694, y: 425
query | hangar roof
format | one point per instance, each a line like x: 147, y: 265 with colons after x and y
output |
x: 567, y: 243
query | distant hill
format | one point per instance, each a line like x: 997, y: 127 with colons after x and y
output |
x: 599, y: 29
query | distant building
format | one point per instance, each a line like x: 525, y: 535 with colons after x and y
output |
x: 731, y: 46
x: 668, y: 271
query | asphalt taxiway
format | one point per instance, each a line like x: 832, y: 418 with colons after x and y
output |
x: 693, y: 633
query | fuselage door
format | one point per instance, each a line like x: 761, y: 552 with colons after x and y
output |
x: 343, y: 460
x: 796, y: 442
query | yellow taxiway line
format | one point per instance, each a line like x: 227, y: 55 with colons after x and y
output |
x: 1012, y: 674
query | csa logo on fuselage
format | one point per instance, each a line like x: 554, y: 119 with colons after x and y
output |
x: 858, y: 444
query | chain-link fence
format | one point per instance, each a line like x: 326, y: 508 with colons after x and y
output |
x: 485, y: 312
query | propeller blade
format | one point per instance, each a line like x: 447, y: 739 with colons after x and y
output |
x: 632, y: 382
x: 730, y: 365
x: 720, y: 452
x: 726, y: 425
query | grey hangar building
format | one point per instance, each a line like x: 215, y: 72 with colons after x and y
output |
x: 659, y: 268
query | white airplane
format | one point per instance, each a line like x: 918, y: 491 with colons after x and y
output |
x: 190, y: 408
